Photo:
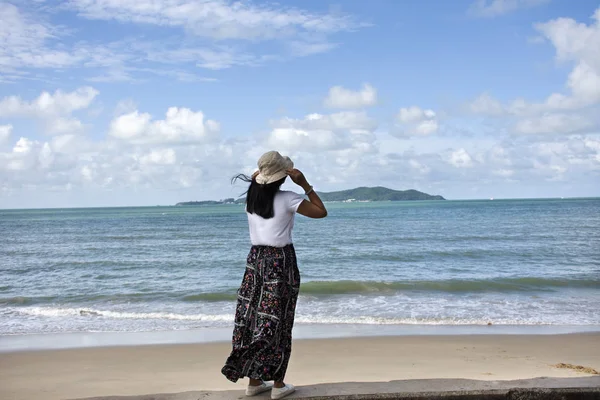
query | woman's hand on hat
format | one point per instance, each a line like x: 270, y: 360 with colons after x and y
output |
x: 255, y: 174
x: 297, y: 177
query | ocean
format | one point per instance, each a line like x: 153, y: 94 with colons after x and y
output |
x: 518, y: 263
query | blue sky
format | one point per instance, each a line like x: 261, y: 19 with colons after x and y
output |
x: 144, y: 102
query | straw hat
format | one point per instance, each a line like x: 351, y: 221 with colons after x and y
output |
x: 272, y: 167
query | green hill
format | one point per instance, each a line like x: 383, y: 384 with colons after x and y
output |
x: 377, y: 194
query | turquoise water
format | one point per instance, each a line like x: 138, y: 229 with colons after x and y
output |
x: 508, y: 262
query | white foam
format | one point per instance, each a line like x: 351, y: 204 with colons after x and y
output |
x: 363, y: 320
x: 407, y: 311
x: 90, y: 313
x: 93, y: 313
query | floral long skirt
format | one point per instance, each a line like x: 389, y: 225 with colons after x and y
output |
x: 264, y: 316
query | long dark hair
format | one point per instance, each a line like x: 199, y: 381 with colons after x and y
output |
x: 259, y: 198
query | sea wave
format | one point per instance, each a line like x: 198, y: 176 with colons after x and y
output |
x: 95, y: 313
x: 227, y: 319
x: 15, y: 300
x: 141, y: 297
x: 349, y: 287
x: 452, y: 285
x: 216, y: 296
x: 323, y: 289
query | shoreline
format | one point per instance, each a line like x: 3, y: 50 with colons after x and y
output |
x: 83, y: 340
x: 176, y: 368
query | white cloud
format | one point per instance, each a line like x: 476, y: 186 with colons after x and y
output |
x: 24, y: 156
x: 486, y: 105
x: 71, y: 144
x: 33, y: 48
x: 25, y: 43
x: 63, y: 125
x: 180, y: 126
x: 519, y: 162
x: 584, y: 82
x: 159, y: 157
x: 142, y: 159
x: 131, y: 125
x: 182, y: 76
x: 47, y: 104
x: 340, y: 97
x: 556, y: 123
x: 120, y: 74
x: 197, y: 34
x: 494, y: 8
x: 216, y: 19
x: 299, y: 48
x: 23, y: 146
x: 17, y: 31
x: 290, y: 139
x: 415, y: 121
x: 54, y: 109
x: 426, y: 127
x: 415, y: 114
x: 318, y: 132
x: 341, y: 121
x: 5, y: 132
x: 460, y: 159
x: 125, y: 106
x: 503, y: 172
x: 87, y: 173
x: 573, y: 40
x: 213, y: 58
x: 575, y: 43
x: 419, y: 167
x: 70, y: 163
x: 578, y: 43
x: 299, y: 32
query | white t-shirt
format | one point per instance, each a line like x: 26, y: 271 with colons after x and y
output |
x: 276, y: 231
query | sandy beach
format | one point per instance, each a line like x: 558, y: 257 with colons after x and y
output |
x: 137, y: 370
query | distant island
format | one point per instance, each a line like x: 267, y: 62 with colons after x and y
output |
x: 212, y: 202
x: 378, y: 193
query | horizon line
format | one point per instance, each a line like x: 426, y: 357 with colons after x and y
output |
x: 336, y: 201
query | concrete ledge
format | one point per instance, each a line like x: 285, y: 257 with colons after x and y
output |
x: 515, y: 394
x: 586, y: 388
x: 554, y: 394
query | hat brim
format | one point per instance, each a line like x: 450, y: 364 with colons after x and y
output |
x: 266, y: 179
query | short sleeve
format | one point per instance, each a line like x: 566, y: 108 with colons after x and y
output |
x: 294, y: 200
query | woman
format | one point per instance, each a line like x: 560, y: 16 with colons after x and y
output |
x: 264, y: 316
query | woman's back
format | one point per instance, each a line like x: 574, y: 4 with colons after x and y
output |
x: 275, y: 231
